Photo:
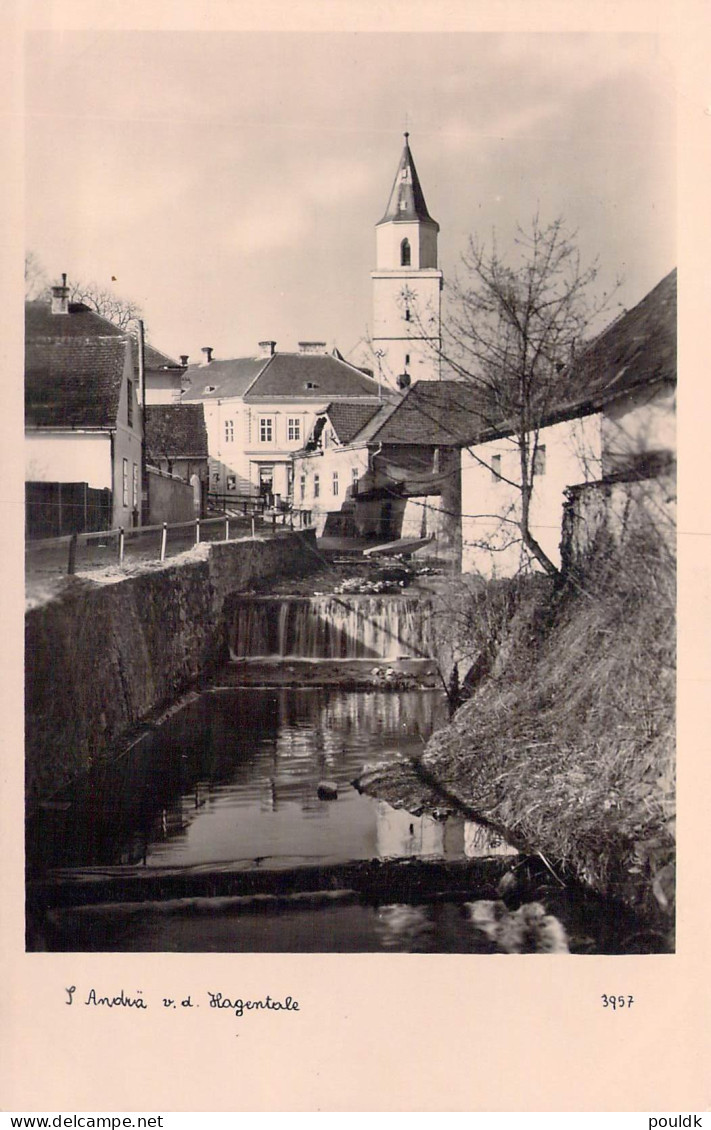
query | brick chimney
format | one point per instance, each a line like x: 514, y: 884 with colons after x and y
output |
x: 312, y: 347
x: 207, y: 350
x: 184, y: 360
x: 60, y: 297
x: 267, y: 348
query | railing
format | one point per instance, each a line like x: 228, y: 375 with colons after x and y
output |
x: 148, y: 543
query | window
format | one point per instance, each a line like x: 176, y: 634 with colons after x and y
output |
x: 129, y: 410
x: 229, y: 431
x: 405, y: 253
x: 496, y: 468
x: 266, y: 429
x: 407, y: 358
x: 293, y: 428
x: 302, y: 487
x: 232, y: 482
x: 317, y: 486
x: 354, y: 480
x: 125, y: 482
x: 539, y: 460
x: 335, y: 482
x: 135, y: 485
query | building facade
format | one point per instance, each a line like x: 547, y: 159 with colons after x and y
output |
x: 260, y: 410
x: 83, y: 423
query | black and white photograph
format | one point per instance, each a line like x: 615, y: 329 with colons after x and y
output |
x: 350, y: 493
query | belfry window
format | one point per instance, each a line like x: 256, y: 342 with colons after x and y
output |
x: 405, y: 253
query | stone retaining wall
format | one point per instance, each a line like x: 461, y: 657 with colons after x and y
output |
x: 103, y: 657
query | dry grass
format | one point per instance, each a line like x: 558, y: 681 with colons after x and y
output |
x: 570, y: 741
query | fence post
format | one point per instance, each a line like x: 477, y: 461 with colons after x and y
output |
x: 197, y: 531
x: 121, y: 544
x: 163, y: 540
x: 72, y: 563
x: 252, y: 526
x: 227, y: 529
x: 274, y: 517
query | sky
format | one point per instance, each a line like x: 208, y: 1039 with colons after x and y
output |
x: 230, y: 182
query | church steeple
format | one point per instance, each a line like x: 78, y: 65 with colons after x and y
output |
x: 406, y: 282
x: 407, y: 200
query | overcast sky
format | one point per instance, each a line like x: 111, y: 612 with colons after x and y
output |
x: 231, y: 181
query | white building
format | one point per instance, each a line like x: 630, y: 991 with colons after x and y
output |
x: 260, y: 410
x: 83, y: 426
x: 614, y: 417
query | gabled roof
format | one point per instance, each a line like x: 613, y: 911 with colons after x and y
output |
x: 176, y: 430
x: 81, y: 321
x: 222, y: 379
x: 348, y: 419
x: 309, y: 376
x: 435, y: 413
x: 155, y: 359
x: 407, y: 200
x: 638, y: 349
x: 73, y: 381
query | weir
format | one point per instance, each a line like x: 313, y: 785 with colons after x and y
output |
x: 332, y: 627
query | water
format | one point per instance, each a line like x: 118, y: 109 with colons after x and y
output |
x: 235, y: 775
x: 331, y: 627
x: 229, y: 786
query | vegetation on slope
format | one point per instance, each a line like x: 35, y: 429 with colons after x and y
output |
x: 569, y: 741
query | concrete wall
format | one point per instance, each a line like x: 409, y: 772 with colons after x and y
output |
x: 609, y: 514
x: 101, y: 659
x: 170, y: 499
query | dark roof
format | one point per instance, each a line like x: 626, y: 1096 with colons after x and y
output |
x: 407, y: 200
x: 435, y: 413
x: 176, y: 430
x: 81, y: 321
x: 638, y: 349
x: 309, y: 376
x: 223, y: 378
x: 155, y: 359
x: 349, y: 419
x: 74, y: 382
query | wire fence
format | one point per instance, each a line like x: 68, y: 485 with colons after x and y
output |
x: 79, y: 552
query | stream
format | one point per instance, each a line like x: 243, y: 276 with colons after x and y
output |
x: 214, y: 833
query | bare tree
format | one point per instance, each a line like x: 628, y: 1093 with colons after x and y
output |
x: 513, y: 331
x: 100, y: 298
x: 120, y: 311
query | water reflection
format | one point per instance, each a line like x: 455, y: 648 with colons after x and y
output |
x: 235, y: 776
x: 401, y: 835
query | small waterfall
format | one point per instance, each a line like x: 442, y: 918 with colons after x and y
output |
x: 332, y: 627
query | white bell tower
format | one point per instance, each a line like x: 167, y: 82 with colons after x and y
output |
x: 407, y: 283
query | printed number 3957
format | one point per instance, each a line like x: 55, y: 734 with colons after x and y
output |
x: 616, y: 1002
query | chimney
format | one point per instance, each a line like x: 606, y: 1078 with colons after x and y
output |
x: 184, y: 360
x: 312, y: 346
x: 207, y: 350
x: 267, y: 348
x: 60, y: 297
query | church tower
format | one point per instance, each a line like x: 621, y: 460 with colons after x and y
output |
x: 407, y: 283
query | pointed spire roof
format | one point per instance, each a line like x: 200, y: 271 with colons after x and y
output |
x: 407, y: 201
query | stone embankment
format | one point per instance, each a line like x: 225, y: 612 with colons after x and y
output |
x: 101, y: 658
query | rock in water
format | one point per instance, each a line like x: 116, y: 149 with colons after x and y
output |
x: 327, y: 790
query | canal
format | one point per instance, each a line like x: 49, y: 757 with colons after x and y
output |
x: 235, y: 825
